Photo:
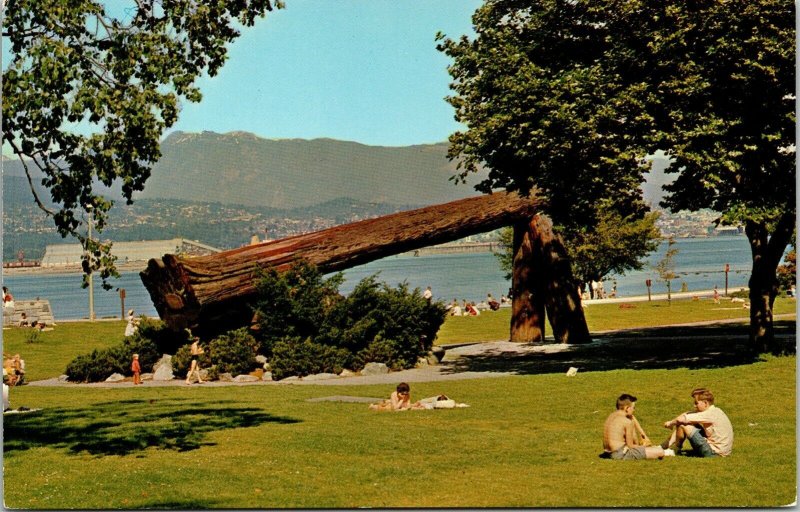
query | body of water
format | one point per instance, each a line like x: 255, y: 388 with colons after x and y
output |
x: 700, y: 263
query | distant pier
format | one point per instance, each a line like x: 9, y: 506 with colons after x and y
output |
x: 458, y: 248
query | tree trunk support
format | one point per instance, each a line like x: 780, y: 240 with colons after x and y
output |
x: 527, y: 299
x: 551, y: 285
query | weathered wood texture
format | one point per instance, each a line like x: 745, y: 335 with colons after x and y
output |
x: 555, y: 283
x: 527, y: 306
x: 543, y: 286
x: 195, y: 292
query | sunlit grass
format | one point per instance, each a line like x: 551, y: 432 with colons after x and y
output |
x: 53, y: 350
x: 526, y: 441
x: 494, y: 325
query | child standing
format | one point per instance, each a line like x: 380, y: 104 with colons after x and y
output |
x: 136, y: 369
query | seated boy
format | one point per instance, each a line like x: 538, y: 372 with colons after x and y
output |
x: 708, y: 430
x: 619, y: 431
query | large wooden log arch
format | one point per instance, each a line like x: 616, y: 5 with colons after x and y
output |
x: 211, y: 294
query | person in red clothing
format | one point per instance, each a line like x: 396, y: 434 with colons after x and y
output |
x: 136, y: 369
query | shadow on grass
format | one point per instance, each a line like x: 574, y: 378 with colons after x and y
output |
x: 180, y: 505
x: 129, y: 426
x: 711, y: 346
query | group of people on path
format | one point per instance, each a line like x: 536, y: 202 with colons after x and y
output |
x: 707, y: 428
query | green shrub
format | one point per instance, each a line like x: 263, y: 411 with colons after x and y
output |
x: 167, y: 340
x: 101, y: 364
x: 293, y: 303
x: 379, y: 351
x: 292, y: 356
x: 375, y: 311
x: 234, y: 352
x: 375, y: 322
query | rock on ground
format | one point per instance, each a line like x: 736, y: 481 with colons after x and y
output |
x: 375, y: 369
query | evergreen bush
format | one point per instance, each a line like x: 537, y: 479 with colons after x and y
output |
x: 293, y: 356
x: 234, y: 352
x: 300, y: 313
x: 98, y: 365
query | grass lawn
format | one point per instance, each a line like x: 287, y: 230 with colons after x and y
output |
x: 494, y: 325
x: 526, y: 441
x: 49, y: 355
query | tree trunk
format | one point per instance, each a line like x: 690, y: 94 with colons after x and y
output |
x: 214, y: 291
x: 527, y: 303
x: 557, y: 285
x: 767, y: 252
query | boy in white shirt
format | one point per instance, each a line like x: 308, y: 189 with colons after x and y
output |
x: 708, y: 430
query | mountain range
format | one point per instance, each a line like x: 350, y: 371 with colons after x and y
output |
x: 244, y: 169
x: 241, y: 168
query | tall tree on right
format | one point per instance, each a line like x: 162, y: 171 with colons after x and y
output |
x: 569, y: 96
x: 724, y: 76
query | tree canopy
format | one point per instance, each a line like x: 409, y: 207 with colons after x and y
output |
x: 542, y: 111
x: 724, y: 73
x: 570, y: 96
x: 89, y: 92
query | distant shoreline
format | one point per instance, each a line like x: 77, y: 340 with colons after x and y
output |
x: 135, y: 266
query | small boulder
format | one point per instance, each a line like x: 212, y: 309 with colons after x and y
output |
x: 267, y: 376
x: 225, y: 377
x: 321, y: 376
x: 166, y: 359
x: 63, y: 378
x: 572, y: 371
x: 375, y: 369
x: 162, y: 370
x: 422, y: 362
x: 115, y: 377
x: 347, y: 373
x: 246, y: 378
x: 146, y: 376
x: 438, y: 352
x: 262, y: 360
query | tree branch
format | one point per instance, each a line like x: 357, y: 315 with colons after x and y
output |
x: 30, y: 180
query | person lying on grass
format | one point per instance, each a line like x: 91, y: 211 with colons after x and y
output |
x: 400, y: 400
x: 708, y: 429
x: 619, y: 434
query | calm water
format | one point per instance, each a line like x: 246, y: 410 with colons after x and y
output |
x: 700, y: 263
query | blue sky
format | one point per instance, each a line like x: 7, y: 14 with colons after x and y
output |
x: 360, y: 70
